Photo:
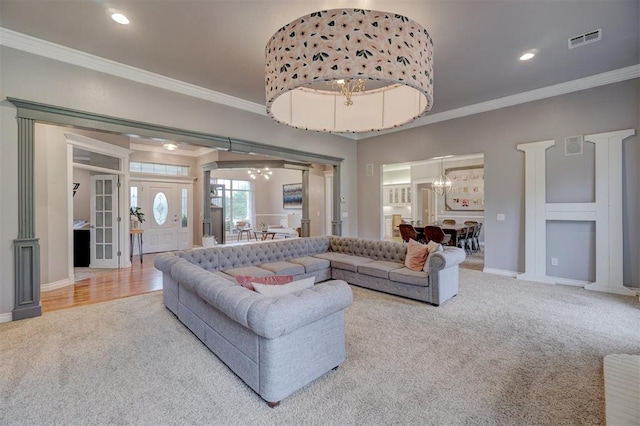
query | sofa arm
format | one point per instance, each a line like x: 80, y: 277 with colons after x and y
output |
x: 451, y: 256
x: 165, y: 261
x: 273, y: 317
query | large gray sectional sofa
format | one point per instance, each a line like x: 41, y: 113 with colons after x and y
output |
x: 277, y: 345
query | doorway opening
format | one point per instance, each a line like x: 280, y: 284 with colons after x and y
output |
x: 409, y: 197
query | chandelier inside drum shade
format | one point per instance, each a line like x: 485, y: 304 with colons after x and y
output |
x: 310, y: 60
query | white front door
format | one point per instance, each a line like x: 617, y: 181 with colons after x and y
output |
x: 168, y: 219
x: 103, y: 233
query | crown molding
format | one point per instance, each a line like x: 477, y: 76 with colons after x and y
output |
x: 50, y: 50
x: 592, y: 81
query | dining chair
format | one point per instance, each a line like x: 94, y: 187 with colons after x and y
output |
x: 396, y: 220
x: 449, y: 222
x: 243, y: 226
x: 464, y: 238
x: 408, y: 232
x: 435, y: 233
x: 476, y: 238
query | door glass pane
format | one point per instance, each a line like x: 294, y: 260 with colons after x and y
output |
x: 108, y: 251
x: 99, y: 219
x: 99, y: 203
x: 99, y: 251
x: 108, y: 187
x: 133, y: 201
x: 160, y: 208
x: 184, y: 199
x: 108, y: 221
x: 99, y: 190
x: 108, y: 200
x: 99, y: 235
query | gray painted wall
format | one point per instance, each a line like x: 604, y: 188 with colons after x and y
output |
x: 38, y: 79
x: 496, y: 134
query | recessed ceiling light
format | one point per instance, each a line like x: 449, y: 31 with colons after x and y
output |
x: 527, y: 56
x: 119, y: 18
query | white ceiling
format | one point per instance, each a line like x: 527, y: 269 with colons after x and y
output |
x: 219, y: 45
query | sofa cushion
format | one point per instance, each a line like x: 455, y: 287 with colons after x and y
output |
x: 278, y: 290
x: 407, y: 276
x: 379, y: 268
x: 248, y: 270
x: 344, y: 261
x: 416, y: 255
x: 248, y: 280
x: 224, y: 275
x: 312, y: 264
x: 283, y: 268
x: 433, y: 247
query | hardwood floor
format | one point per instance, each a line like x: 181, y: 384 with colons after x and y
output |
x: 106, y: 285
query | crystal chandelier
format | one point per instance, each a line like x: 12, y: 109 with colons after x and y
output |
x: 254, y: 173
x: 347, y: 88
x: 442, y: 184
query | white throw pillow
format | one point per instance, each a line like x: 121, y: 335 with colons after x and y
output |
x: 278, y: 290
x: 432, y: 247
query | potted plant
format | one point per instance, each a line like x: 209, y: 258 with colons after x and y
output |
x: 208, y: 241
x: 263, y: 226
x: 137, y: 216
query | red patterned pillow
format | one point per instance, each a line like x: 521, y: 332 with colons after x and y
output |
x: 246, y: 280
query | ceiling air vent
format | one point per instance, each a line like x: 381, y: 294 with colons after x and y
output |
x: 585, y: 38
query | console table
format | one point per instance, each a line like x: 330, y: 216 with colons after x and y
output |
x: 264, y: 234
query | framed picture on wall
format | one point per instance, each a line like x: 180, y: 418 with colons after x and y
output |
x: 292, y: 196
x: 467, y: 189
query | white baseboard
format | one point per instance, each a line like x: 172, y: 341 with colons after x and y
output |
x: 8, y: 317
x: 57, y: 284
x: 569, y: 281
x: 503, y: 272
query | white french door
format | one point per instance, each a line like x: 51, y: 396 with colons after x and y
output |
x: 104, y: 224
x: 168, y: 218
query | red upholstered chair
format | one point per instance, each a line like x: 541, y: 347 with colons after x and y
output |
x: 435, y: 233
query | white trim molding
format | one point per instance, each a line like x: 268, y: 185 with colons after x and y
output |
x: 606, y: 212
x: 57, y: 284
x: 65, y: 54
x: 535, y: 252
x: 160, y: 150
x: 503, y: 272
x: 8, y: 317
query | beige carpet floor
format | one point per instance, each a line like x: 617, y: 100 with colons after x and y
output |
x: 503, y: 352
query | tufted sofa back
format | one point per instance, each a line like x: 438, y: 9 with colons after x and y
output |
x: 204, y: 258
x: 256, y: 254
x: 221, y: 258
x: 378, y: 250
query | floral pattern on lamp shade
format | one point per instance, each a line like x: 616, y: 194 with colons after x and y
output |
x: 349, y: 44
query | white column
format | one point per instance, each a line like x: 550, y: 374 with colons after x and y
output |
x: 609, y: 233
x: 535, y: 236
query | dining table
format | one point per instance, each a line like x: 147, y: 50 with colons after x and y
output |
x: 454, y: 230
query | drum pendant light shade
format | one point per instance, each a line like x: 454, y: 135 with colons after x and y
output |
x: 308, y: 58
